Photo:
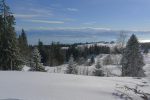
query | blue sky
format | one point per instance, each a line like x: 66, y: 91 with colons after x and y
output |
x: 58, y: 15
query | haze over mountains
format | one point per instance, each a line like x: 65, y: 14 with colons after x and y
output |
x: 81, y: 35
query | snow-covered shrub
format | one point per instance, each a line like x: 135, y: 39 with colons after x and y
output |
x: 107, y: 60
x: 71, y: 69
x: 36, y: 61
x: 98, y: 69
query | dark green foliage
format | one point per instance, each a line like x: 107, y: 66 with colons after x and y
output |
x: 9, y: 52
x: 85, y: 51
x: 55, y: 54
x: 132, y: 60
x: 44, y: 53
x: 55, y: 57
x: 24, y: 48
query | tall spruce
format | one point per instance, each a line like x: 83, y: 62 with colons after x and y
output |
x: 9, y: 51
x: 24, y: 48
x: 36, y: 63
x: 132, y: 60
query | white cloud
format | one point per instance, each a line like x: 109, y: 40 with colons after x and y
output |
x: 71, y: 28
x: 42, y: 12
x: 72, y: 9
x: 47, y: 21
x: 89, y: 23
x: 33, y: 13
x: 25, y: 15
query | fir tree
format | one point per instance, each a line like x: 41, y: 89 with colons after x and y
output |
x: 36, y: 61
x: 9, y: 51
x: 132, y: 60
x: 71, y: 69
x: 98, y: 69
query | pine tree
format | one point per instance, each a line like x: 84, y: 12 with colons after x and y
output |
x: 132, y: 60
x: 9, y: 51
x: 71, y: 69
x: 36, y: 61
x: 98, y: 69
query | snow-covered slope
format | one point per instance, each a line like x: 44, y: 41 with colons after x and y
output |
x: 50, y: 86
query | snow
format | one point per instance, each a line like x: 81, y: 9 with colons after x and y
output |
x: 110, y: 70
x: 25, y: 68
x: 56, y: 85
x: 98, y: 44
x: 51, y: 86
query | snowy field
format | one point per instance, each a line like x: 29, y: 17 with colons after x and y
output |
x: 55, y: 85
x: 50, y: 86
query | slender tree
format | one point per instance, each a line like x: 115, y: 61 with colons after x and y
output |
x: 9, y: 51
x: 132, y: 60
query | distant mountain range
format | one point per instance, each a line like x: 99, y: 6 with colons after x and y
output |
x: 80, y: 35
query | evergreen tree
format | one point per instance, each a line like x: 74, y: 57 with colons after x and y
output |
x: 132, y: 60
x: 44, y: 52
x: 146, y: 51
x: 9, y: 51
x: 24, y: 38
x: 98, y: 69
x: 71, y: 69
x: 24, y: 48
x: 56, y: 56
x: 1, y: 25
x: 92, y: 60
x: 36, y: 63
